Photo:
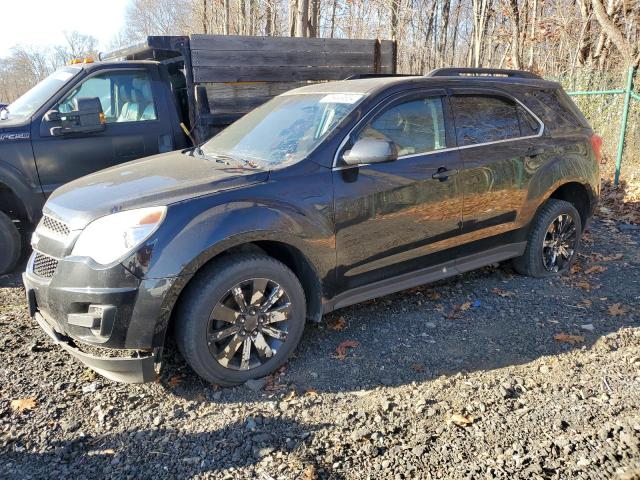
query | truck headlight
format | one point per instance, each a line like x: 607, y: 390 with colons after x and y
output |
x: 112, y: 237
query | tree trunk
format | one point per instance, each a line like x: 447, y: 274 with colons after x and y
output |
x: 333, y: 18
x: 628, y: 51
x: 269, y: 14
x: 395, y: 11
x: 444, y: 29
x: 227, y: 17
x: 302, y: 18
x: 514, y: 15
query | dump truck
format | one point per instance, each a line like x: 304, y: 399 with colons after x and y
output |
x: 167, y: 93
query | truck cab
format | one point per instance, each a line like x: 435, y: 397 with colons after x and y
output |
x: 82, y: 118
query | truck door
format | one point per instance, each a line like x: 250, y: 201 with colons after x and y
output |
x: 137, y: 125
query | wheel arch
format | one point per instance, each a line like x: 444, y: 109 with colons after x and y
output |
x: 577, y: 194
x: 290, y: 255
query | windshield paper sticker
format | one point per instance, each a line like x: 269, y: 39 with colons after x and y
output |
x: 348, y: 98
x: 5, y: 137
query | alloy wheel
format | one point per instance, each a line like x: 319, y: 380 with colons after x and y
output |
x: 559, y: 243
x: 249, y: 323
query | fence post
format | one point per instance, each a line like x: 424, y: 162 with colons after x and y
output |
x: 623, y: 125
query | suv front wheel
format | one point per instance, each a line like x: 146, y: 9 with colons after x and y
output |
x: 241, y: 318
x: 553, y: 241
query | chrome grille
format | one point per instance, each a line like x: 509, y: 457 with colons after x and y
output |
x: 44, y: 266
x: 56, y: 226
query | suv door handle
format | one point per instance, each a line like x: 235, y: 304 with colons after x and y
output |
x: 534, y: 151
x: 443, y: 173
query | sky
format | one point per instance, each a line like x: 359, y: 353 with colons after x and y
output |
x: 43, y: 22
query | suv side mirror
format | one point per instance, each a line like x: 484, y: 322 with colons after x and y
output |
x: 86, y: 117
x: 371, y: 150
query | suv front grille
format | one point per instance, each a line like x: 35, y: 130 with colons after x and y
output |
x: 44, y: 266
x: 56, y: 226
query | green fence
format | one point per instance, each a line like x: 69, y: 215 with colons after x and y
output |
x: 629, y: 95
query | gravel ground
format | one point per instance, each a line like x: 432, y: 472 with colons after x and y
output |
x: 487, y: 375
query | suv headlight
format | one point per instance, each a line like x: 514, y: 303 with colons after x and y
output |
x: 112, y: 237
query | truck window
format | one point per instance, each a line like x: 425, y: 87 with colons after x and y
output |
x: 416, y: 126
x: 124, y: 96
x: 484, y: 118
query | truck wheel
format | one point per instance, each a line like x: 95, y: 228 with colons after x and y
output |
x: 11, y: 244
x: 241, y: 318
x: 553, y: 241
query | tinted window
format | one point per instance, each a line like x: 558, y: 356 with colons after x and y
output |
x: 528, y: 124
x: 483, y: 118
x: 416, y: 126
x: 548, y: 106
x: 124, y: 96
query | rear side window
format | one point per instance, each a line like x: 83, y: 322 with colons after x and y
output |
x: 484, y: 118
x: 548, y: 105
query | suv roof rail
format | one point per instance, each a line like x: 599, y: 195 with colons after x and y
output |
x: 482, y: 72
x: 359, y: 76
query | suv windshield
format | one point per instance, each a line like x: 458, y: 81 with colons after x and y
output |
x: 284, y: 130
x: 27, y: 104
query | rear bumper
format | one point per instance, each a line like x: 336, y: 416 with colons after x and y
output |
x: 121, y: 369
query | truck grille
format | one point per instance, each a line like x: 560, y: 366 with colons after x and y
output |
x: 44, y: 266
x: 56, y: 226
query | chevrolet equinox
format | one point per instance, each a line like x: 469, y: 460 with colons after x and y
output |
x: 323, y: 197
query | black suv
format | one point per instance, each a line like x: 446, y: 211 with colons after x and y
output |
x: 323, y: 197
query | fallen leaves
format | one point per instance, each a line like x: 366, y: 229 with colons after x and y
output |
x: 311, y: 392
x: 290, y: 396
x: 337, y: 324
x: 418, y: 367
x: 341, y: 350
x: 176, y: 380
x: 570, y: 339
x: 461, y: 420
x: 617, y: 310
x: 595, y: 269
x: 309, y: 473
x: 502, y: 293
x: 23, y: 404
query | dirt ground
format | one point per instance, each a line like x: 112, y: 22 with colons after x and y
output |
x: 486, y: 375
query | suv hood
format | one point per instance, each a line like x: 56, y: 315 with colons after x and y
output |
x: 157, y: 180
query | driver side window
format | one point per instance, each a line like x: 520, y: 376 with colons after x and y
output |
x: 124, y: 96
x: 415, y: 126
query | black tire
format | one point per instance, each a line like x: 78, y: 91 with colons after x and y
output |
x: 209, y: 288
x: 11, y: 244
x: 531, y: 263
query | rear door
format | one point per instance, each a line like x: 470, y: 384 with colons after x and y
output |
x: 497, y: 139
x: 137, y: 125
x: 394, y: 218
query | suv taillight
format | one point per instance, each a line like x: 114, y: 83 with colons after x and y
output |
x: 596, y: 144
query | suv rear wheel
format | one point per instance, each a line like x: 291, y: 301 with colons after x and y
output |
x: 241, y: 318
x: 11, y: 244
x: 553, y: 241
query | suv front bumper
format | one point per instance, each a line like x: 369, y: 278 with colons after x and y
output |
x: 107, y: 311
x: 121, y: 369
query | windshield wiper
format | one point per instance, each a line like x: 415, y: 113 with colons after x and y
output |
x: 237, y: 160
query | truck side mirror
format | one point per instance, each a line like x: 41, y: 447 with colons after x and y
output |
x: 86, y: 117
x: 371, y: 150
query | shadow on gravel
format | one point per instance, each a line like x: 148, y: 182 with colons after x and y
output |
x: 177, y: 454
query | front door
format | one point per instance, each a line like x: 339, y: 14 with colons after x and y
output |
x: 397, y: 217
x: 133, y: 128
